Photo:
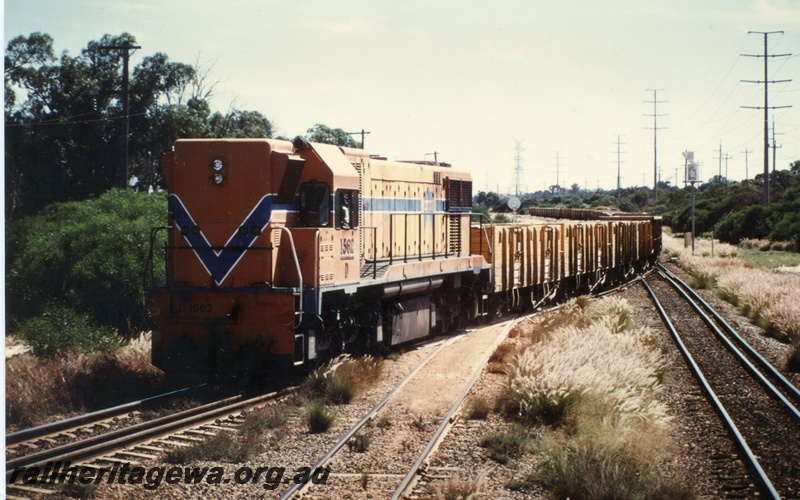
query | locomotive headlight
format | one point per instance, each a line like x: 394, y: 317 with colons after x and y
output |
x: 217, y: 165
x: 217, y: 179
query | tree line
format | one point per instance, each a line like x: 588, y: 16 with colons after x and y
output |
x: 66, y: 120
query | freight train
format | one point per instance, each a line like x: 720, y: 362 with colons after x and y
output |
x: 282, y: 254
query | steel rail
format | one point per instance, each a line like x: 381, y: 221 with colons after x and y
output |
x: 86, y: 418
x: 763, y: 363
x: 296, y: 488
x: 741, y: 358
x: 750, y: 459
x: 145, y: 431
x: 449, y: 418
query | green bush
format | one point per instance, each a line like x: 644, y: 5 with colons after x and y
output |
x: 787, y: 228
x: 792, y: 359
x: 60, y: 329
x: 752, y: 222
x: 478, y: 409
x: 340, y: 390
x: 318, y: 417
x: 548, y: 408
x: 503, y: 446
x: 483, y: 218
x: 88, y: 254
x: 359, y: 444
x: 225, y: 447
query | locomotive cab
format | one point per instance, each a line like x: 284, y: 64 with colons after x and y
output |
x: 255, y: 228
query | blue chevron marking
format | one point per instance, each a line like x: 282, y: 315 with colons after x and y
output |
x: 220, y: 263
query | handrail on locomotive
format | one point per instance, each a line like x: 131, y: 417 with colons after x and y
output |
x: 420, y: 255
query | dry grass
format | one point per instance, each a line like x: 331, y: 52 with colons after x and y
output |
x: 599, y: 353
x: 359, y: 443
x: 339, y: 381
x: 767, y: 297
x: 601, y: 462
x: 227, y: 446
x: 594, y: 360
x: 503, y: 355
x: 259, y: 420
x: 674, y: 246
x: 478, y: 408
x: 594, y: 385
x: 41, y: 390
x: 457, y: 489
x: 532, y: 330
x: 767, y: 245
x: 238, y: 446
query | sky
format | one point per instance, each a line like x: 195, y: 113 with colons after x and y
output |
x: 545, y: 88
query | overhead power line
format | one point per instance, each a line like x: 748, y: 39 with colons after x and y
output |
x: 70, y: 121
x: 746, y: 163
x: 721, y: 157
x: 558, y: 170
x: 619, y: 161
x: 775, y: 146
x: 519, y: 186
x: 766, y: 107
x: 655, y: 130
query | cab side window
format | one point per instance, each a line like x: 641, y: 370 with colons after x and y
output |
x: 315, y: 204
x: 346, y: 209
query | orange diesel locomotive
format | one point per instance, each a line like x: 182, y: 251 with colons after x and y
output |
x: 282, y: 254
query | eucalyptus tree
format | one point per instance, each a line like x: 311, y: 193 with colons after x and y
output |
x: 66, y: 119
x: 328, y: 135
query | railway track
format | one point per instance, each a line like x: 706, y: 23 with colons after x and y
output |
x: 144, y: 440
x: 757, y: 405
x: 141, y: 443
x: 404, y: 469
x: 414, y: 473
x: 402, y: 482
x: 51, y: 434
